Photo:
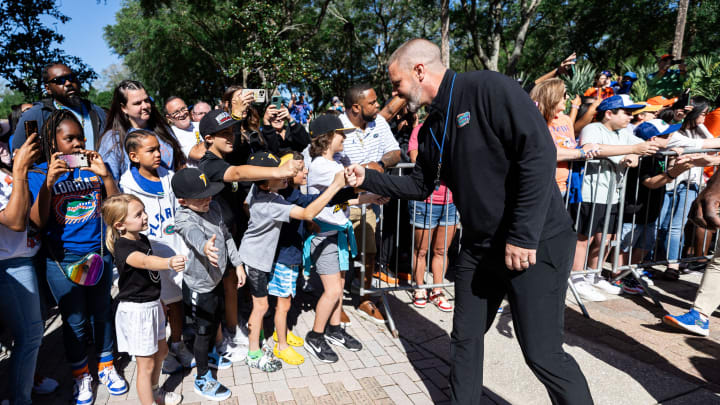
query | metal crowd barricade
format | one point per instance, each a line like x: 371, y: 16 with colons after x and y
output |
x: 659, y: 255
x: 594, y: 186
x: 658, y: 259
x: 377, y: 288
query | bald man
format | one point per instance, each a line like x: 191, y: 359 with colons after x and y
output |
x: 485, y: 139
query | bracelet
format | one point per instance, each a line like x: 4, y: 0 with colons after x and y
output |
x: 577, y: 107
x: 667, y: 173
x: 235, y: 117
x: 381, y: 163
x: 582, y: 153
x: 169, y: 268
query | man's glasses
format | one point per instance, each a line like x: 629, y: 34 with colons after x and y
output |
x: 59, y: 80
x: 179, y: 113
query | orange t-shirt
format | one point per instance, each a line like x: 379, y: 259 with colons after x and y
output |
x: 605, y: 92
x: 712, y: 122
x: 561, y: 129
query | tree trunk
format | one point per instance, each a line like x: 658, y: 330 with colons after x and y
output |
x: 680, y: 28
x: 445, y: 32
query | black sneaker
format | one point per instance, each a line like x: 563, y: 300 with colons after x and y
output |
x: 341, y: 338
x: 318, y: 347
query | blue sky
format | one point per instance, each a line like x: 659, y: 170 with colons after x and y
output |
x: 84, y: 32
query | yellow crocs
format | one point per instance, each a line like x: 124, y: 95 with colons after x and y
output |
x: 292, y: 339
x: 289, y: 355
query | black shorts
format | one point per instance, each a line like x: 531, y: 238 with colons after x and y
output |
x: 258, y: 281
x: 206, y: 309
x: 588, y: 228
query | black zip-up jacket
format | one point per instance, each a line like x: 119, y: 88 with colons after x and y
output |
x: 499, y: 162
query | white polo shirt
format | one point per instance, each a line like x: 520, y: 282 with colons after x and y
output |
x: 369, y: 145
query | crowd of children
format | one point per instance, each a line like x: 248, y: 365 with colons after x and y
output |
x: 171, y: 239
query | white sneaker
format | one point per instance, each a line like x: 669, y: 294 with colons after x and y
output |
x: 240, y: 337
x: 231, y: 351
x: 113, y: 381
x: 82, y: 390
x: 606, y: 287
x: 182, y: 354
x: 171, y: 365
x: 163, y: 397
x: 587, y: 292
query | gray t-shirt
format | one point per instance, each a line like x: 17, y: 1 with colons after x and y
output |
x: 268, y: 211
x: 599, y: 173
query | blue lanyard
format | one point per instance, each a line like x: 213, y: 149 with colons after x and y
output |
x: 442, y: 146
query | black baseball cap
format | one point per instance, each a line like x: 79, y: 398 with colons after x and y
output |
x: 192, y: 183
x: 215, y: 121
x: 326, y: 123
x: 263, y: 159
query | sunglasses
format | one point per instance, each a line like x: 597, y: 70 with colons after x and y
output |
x: 62, y: 79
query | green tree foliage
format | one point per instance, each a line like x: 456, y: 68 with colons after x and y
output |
x: 9, y: 98
x: 195, y: 50
x: 27, y: 45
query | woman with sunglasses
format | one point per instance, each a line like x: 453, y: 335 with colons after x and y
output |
x: 132, y: 109
x: 550, y: 97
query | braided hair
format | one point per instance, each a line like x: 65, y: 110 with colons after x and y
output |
x: 118, y: 124
x: 48, y: 134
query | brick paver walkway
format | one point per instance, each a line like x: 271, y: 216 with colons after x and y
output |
x: 414, y: 368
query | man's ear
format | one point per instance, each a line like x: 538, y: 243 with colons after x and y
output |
x: 419, y: 71
x: 208, y: 139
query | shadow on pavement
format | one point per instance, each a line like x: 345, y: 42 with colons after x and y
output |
x: 432, y: 342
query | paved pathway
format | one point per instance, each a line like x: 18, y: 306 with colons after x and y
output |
x: 626, y: 354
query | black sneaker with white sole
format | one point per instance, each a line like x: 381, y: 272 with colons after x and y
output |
x: 339, y: 337
x: 316, y: 345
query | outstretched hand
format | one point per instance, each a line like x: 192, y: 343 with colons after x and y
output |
x: 355, y: 175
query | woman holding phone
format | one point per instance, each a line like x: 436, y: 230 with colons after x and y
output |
x: 131, y: 109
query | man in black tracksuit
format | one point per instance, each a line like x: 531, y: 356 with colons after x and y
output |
x: 498, y: 159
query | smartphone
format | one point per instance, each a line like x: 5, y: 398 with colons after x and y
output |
x: 277, y: 101
x: 684, y: 99
x: 30, y: 127
x: 75, y: 160
x: 258, y: 93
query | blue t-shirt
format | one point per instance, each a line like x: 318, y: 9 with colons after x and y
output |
x: 75, y: 219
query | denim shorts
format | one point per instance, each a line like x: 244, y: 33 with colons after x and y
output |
x: 422, y: 217
x: 643, y: 236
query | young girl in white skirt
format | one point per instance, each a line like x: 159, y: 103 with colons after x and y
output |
x: 139, y: 320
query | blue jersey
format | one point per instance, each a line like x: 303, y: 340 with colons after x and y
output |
x: 75, y: 219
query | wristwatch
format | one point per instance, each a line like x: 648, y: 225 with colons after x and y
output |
x: 382, y: 164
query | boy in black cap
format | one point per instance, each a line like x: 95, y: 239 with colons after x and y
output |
x: 268, y: 212
x: 200, y: 223
x: 216, y: 128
